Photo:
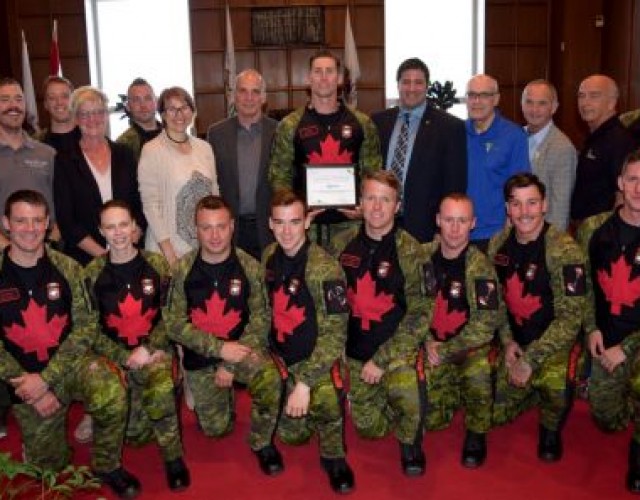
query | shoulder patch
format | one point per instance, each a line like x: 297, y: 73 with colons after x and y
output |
x: 574, y: 280
x: 348, y: 260
x: 501, y: 259
x: 429, y: 279
x: 9, y: 295
x: 487, y: 294
x: 335, y: 296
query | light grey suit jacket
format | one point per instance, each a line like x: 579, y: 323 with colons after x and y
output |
x: 223, y: 137
x: 554, y: 162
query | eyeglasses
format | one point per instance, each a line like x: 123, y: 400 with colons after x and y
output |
x: 183, y: 110
x: 480, y: 95
x: 95, y: 113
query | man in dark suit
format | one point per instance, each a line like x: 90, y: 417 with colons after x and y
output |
x: 241, y: 145
x: 434, y: 162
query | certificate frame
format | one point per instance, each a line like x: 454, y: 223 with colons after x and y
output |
x: 330, y: 186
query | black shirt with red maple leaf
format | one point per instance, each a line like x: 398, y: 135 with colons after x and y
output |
x: 526, y: 284
x: 128, y: 299
x: 451, y: 309
x: 294, y: 326
x: 375, y: 292
x: 35, y: 312
x: 614, y: 251
x: 217, y: 303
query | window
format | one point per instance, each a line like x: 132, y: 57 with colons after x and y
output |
x: 447, y: 36
x: 138, y: 38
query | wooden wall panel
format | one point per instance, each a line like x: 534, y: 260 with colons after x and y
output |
x: 204, y: 79
x: 274, y: 68
x: 207, y: 30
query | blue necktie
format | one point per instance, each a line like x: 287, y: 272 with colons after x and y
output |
x: 400, y: 153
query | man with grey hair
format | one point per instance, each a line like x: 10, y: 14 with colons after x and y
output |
x: 496, y: 149
x: 604, y: 150
x: 552, y: 155
x: 241, y: 145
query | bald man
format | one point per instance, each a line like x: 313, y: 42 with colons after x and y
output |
x: 496, y: 149
x: 607, y: 145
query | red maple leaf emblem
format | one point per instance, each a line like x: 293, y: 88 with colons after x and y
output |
x: 285, y: 320
x: 132, y: 324
x: 213, y: 320
x: 364, y: 302
x: 445, y: 323
x: 618, y: 287
x: 522, y: 306
x: 330, y: 153
x: 37, y: 335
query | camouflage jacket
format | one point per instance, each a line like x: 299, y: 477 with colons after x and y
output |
x: 631, y: 342
x: 80, y: 339
x: 412, y: 329
x: 332, y: 327
x: 561, y: 252
x: 132, y: 138
x: 181, y: 330
x: 105, y: 346
x: 486, y: 309
x: 282, y: 167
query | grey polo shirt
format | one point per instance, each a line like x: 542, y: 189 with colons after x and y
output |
x: 249, y: 152
x: 28, y: 167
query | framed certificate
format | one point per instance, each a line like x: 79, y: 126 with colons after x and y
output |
x: 330, y: 186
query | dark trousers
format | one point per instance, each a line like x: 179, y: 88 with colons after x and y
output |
x: 247, y: 236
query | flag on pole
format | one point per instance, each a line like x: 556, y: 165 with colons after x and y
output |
x: 27, y: 87
x: 351, y: 64
x: 55, y: 66
x: 230, y: 68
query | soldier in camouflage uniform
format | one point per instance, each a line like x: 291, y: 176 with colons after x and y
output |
x: 298, y: 390
x: 325, y: 131
x: 46, y: 334
x: 462, y: 287
x: 542, y: 276
x: 612, y: 319
x: 216, y: 300
x: 388, y: 321
x: 141, y: 108
x: 128, y: 288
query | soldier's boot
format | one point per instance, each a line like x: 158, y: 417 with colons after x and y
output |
x: 123, y: 483
x: 340, y: 474
x: 474, y: 450
x: 270, y: 460
x: 412, y: 459
x: 549, y: 445
x: 633, y: 473
x: 178, y: 477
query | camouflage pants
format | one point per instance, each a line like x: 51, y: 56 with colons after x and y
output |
x: 324, y: 417
x: 548, y: 388
x: 392, y: 404
x: 466, y: 384
x: 615, y: 397
x: 152, y: 408
x: 98, y: 386
x: 214, y: 406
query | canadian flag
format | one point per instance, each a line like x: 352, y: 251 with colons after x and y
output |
x: 55, y: 67
x: 27, y: 85
x: 230, y: 67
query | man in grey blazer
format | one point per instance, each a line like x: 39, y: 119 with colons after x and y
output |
x: 241, y: 145
x: 552, y: 155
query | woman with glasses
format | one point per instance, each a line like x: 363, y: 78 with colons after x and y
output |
x: 91, y: 173
x: 175, y: 171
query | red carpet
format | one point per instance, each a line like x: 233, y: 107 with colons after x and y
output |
x: 593, y: 467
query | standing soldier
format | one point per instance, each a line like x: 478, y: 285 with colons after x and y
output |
x: 215, y: 301
x: 612, y: 322
x: 388, y: 320
x: 542, y: 275
x: 462, y: 288
x: 46, y: 336
x: 299, y: 392
x: 128, y: 287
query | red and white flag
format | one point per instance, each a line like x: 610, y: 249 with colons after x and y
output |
x: 27, y: 87
x: 351, y: 63
x: 230, y: 68
x: 55, y: 66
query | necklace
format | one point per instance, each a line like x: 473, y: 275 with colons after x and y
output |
x: 178, y: 142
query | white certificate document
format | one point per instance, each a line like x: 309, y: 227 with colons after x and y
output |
x: 330, y: 186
